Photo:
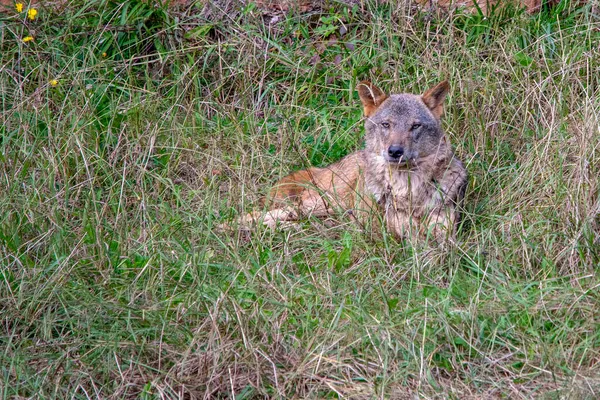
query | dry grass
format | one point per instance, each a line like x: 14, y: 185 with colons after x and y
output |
x: 114, y: 282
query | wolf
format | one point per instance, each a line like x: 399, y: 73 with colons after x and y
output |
x: 407, y: 177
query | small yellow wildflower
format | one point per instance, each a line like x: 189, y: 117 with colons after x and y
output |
x: 27, y: 39
x: 104, y: 54
x: 19, y: 7
x: 31, y: 13
x: 53, y: 82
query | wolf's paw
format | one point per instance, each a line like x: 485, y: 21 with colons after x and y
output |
x: 440, y: 227
x: 278, y: 218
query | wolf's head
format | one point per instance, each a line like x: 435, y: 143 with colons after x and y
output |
x: 402, y: 128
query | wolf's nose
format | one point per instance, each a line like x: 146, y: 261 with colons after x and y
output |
x: 395, y: 151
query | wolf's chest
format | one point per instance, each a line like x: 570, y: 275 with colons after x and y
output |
x: 402, y: 190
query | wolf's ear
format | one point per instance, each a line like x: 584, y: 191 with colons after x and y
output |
x: 371, y: 97
x: 434, y: 98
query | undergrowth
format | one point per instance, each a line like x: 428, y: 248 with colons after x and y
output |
x: 131, y: 130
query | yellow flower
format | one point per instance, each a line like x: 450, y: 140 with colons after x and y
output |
x: 19, y: 7
x: 53, y: 82
x: 27, y: 39
x: 104, y: 54
x: 31, y: 13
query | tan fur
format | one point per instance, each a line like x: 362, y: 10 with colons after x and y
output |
x: 415, y: 195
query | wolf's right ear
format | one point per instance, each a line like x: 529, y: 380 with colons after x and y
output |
x: 370, y: 96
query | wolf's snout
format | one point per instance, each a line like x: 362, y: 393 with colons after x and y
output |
x: 395, y: 151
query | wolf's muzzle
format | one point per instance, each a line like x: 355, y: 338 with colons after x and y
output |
x: 395, y: 151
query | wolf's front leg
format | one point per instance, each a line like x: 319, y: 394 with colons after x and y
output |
x: 451, y: 183
x: 269, y: 218
x: 441, y: 223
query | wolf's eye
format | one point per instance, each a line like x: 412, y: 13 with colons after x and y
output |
x: 385, y: 124
x: 415, y: 127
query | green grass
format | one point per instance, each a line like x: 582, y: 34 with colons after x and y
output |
x: 168, y: 121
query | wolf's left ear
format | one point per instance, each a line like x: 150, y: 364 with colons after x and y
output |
x: 434, y: 98
x: 370, y: 96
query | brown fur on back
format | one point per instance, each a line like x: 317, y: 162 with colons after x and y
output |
x: 320, y: 190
